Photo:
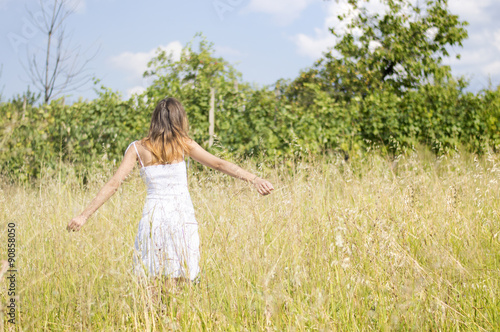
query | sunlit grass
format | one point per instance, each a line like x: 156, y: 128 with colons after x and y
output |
x: 368, y: 245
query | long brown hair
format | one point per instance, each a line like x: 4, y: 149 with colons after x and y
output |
x: 168, y: 133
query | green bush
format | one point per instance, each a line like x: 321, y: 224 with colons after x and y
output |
x: 289, y: 120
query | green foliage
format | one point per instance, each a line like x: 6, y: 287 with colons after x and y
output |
x: 398, y: 50
x: 344, y: 105
x: 386, y: 73
x: 42, y: 137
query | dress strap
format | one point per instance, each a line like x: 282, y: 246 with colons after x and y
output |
x: 138, y: 154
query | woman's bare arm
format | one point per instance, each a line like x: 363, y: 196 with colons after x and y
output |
x: 199, y: 154
x: 107, y: 190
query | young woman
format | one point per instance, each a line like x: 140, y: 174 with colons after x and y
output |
x: 167, y: 242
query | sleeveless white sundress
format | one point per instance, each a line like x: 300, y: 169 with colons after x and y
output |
x: 167, y: 241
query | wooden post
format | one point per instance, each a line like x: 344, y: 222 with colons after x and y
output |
x: 211, y: 118
x: 24, y: 108
x: 277, y: 93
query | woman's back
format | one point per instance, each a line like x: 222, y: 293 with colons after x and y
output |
x: 167, y: 239
x: 163, y: 179
x: 146, y: 157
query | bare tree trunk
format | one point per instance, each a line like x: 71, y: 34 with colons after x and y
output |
x: 211, y: 118
x: 59, y: 70
x: 47, y: 60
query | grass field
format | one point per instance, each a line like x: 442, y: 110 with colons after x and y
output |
x: 370, y: 245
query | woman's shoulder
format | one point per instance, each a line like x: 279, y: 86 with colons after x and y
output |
x: 190, y: 144
x: 137, y: 144
x: 189, y: 141
x: 140, y: 143
x: 142, y: 146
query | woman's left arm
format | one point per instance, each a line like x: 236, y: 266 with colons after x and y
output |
x: 107, y: 190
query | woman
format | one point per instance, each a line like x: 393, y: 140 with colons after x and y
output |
x: 167, y: 242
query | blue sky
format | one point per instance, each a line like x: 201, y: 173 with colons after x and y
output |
x: 265, y: 39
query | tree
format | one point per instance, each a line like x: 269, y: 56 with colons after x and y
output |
x: 56, y: 68
x: 202, y: 81
x: 399, y: 49
x: 387, y: 71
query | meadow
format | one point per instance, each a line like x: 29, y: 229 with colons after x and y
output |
x: 374, y: 244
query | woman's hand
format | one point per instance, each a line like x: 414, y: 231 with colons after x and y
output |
x: 264, y: 187
x: 76, y: 223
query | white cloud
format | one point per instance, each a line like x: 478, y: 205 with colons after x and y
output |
x: 472, y: 11
x: 431, y: 33
x: 284, y: 11
x: 481, y: 50
x: 475, y: 62
x: 314, y: 46
x: 136, y: 90
x: 135, y: 64
x: 373, y: 45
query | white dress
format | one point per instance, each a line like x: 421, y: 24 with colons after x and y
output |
x: 167, y: 241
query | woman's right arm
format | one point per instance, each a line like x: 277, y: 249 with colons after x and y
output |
x: 199, y: 154
x: 128, y: 163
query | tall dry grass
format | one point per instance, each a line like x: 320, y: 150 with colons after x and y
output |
x: 370, y: 245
